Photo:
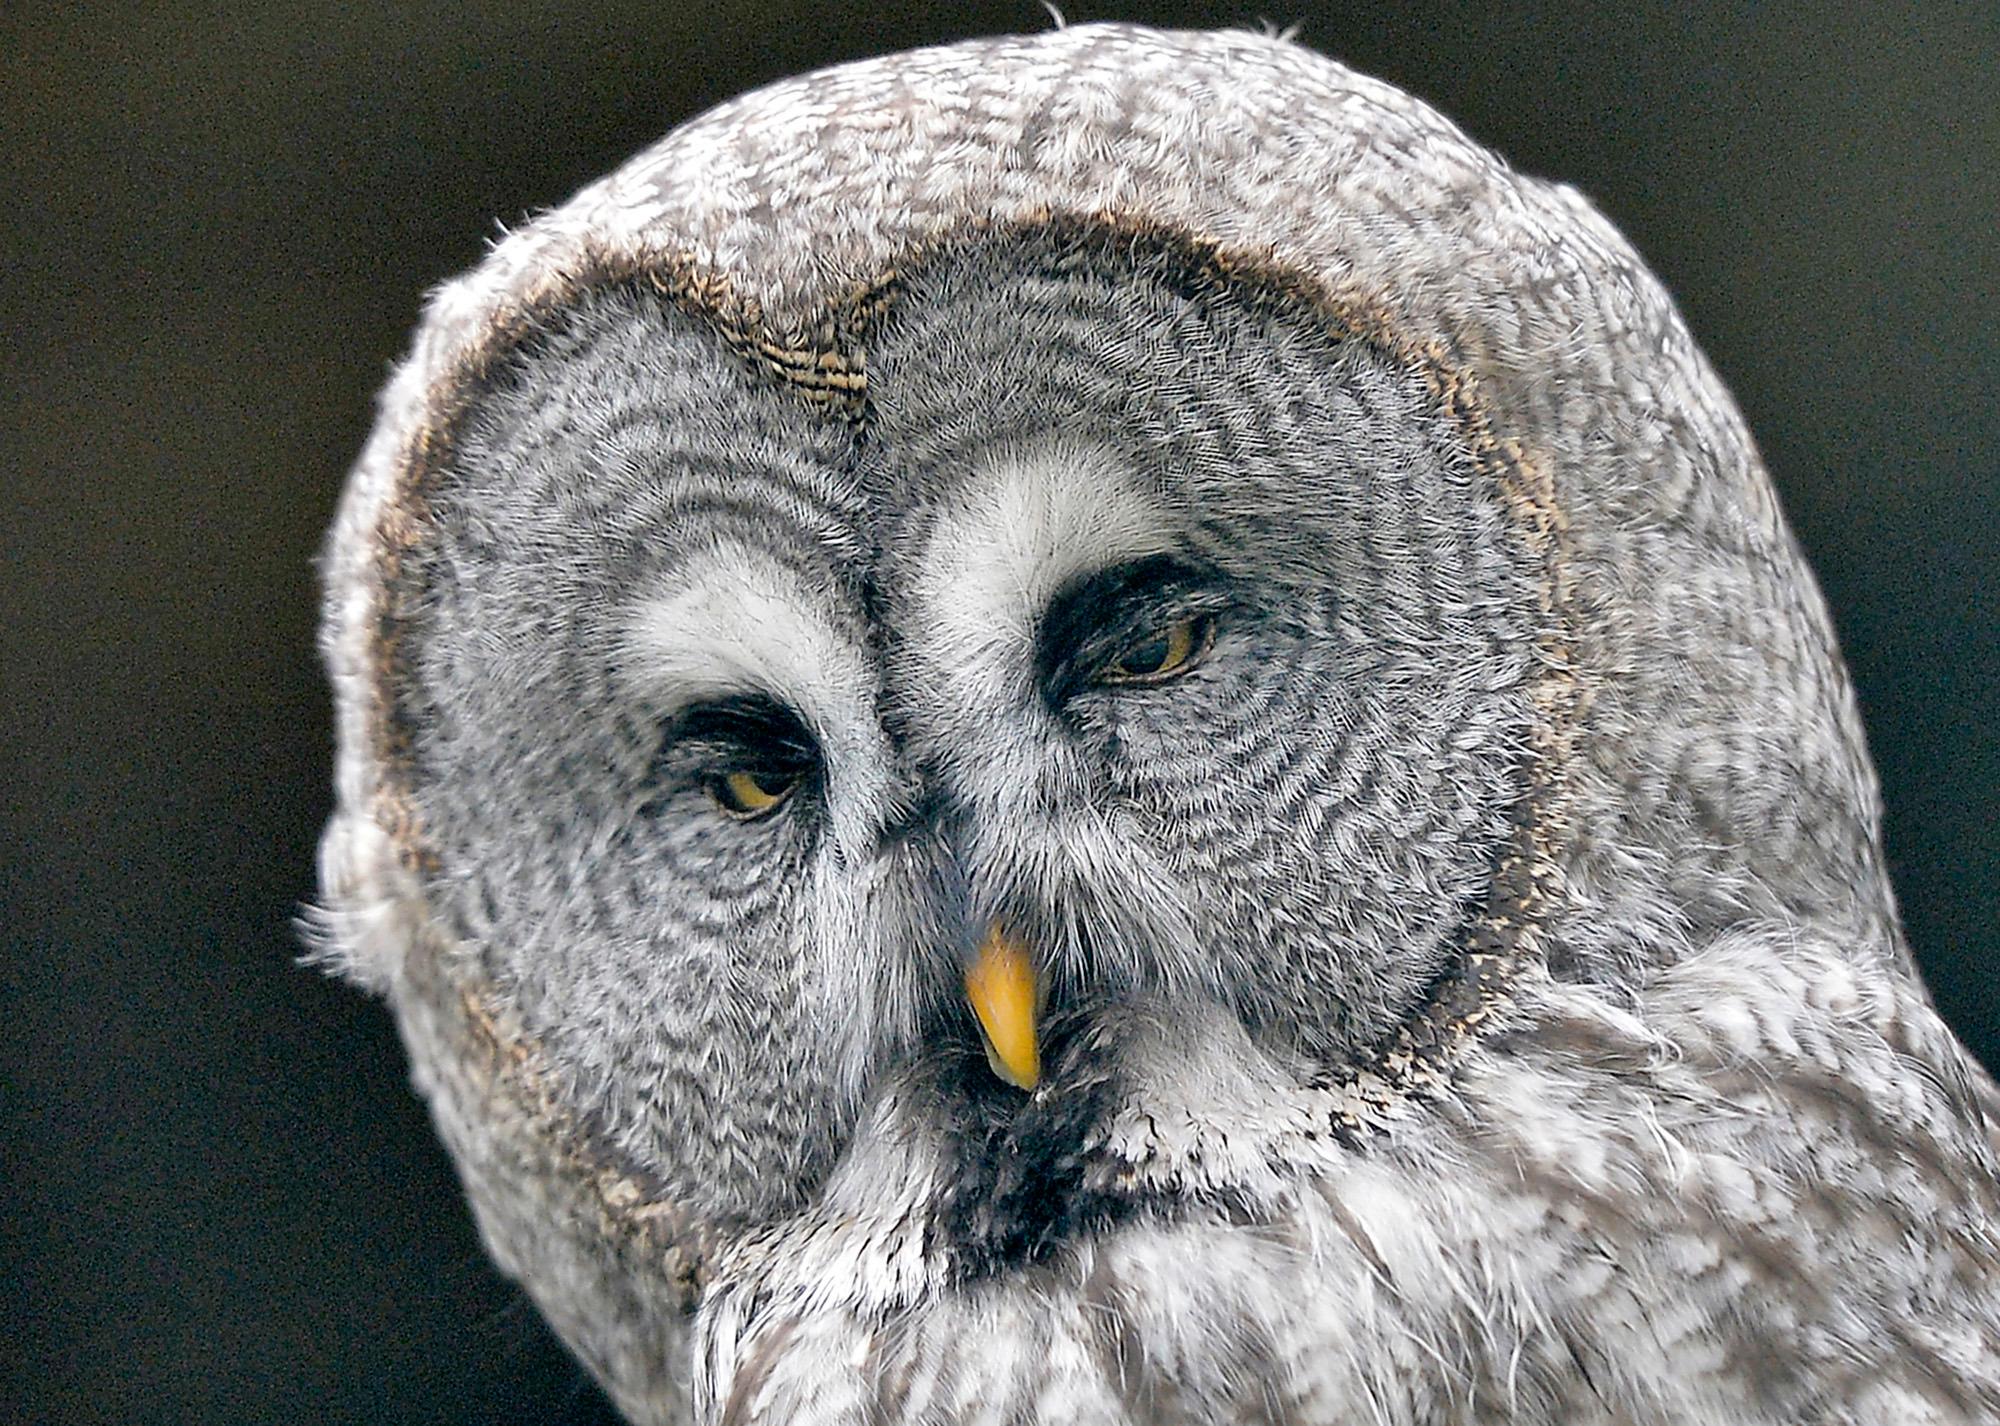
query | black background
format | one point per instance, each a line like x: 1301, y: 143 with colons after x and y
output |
x: 221, y: 1203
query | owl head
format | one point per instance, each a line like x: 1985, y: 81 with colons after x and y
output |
x: 1003, y: 642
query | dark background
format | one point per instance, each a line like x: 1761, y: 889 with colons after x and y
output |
x: 221, y: 1203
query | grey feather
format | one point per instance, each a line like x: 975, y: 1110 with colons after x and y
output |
x: 1474, y: 992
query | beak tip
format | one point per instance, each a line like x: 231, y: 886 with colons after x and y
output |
x: 1001, y: 986
x: 1023, y: 1077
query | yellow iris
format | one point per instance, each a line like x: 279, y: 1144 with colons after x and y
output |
x: 746, y: 793
x: 1161, y: 654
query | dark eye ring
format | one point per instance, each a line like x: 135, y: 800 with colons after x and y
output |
x: 750, y: 793
x: 1161, y: 654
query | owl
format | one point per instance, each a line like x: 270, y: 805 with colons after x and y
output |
x: 1098, y: 728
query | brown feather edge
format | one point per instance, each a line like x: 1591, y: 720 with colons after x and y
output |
x: 822, y: 359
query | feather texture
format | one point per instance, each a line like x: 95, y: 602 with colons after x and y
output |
x: 1473, y: 992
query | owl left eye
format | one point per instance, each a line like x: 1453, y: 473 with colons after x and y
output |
x: 1162, y: 653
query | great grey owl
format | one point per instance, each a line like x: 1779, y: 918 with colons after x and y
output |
x: 1098, y: 728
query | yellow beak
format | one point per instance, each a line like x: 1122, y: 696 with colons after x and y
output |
x: 1000, y: 983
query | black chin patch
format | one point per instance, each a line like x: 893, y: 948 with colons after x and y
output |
x: 1020, y: 1192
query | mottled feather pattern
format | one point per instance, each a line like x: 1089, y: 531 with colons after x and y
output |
x: 1560, y: 1241
x: 1473, y: 988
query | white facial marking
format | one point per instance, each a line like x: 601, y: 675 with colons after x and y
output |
x: 1028, y: 522
x: 732, y: 622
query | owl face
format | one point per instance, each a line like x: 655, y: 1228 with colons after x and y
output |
x: 1100, y: 728
x: 1159, y: 621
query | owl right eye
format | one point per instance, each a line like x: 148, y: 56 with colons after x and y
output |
x: 750, y: 794
x: 750, y: 754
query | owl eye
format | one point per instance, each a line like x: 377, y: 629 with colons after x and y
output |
x: 751, y: 793
x: 1161, y: 654
x: 749, y: 754
x: 1128, y: 626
